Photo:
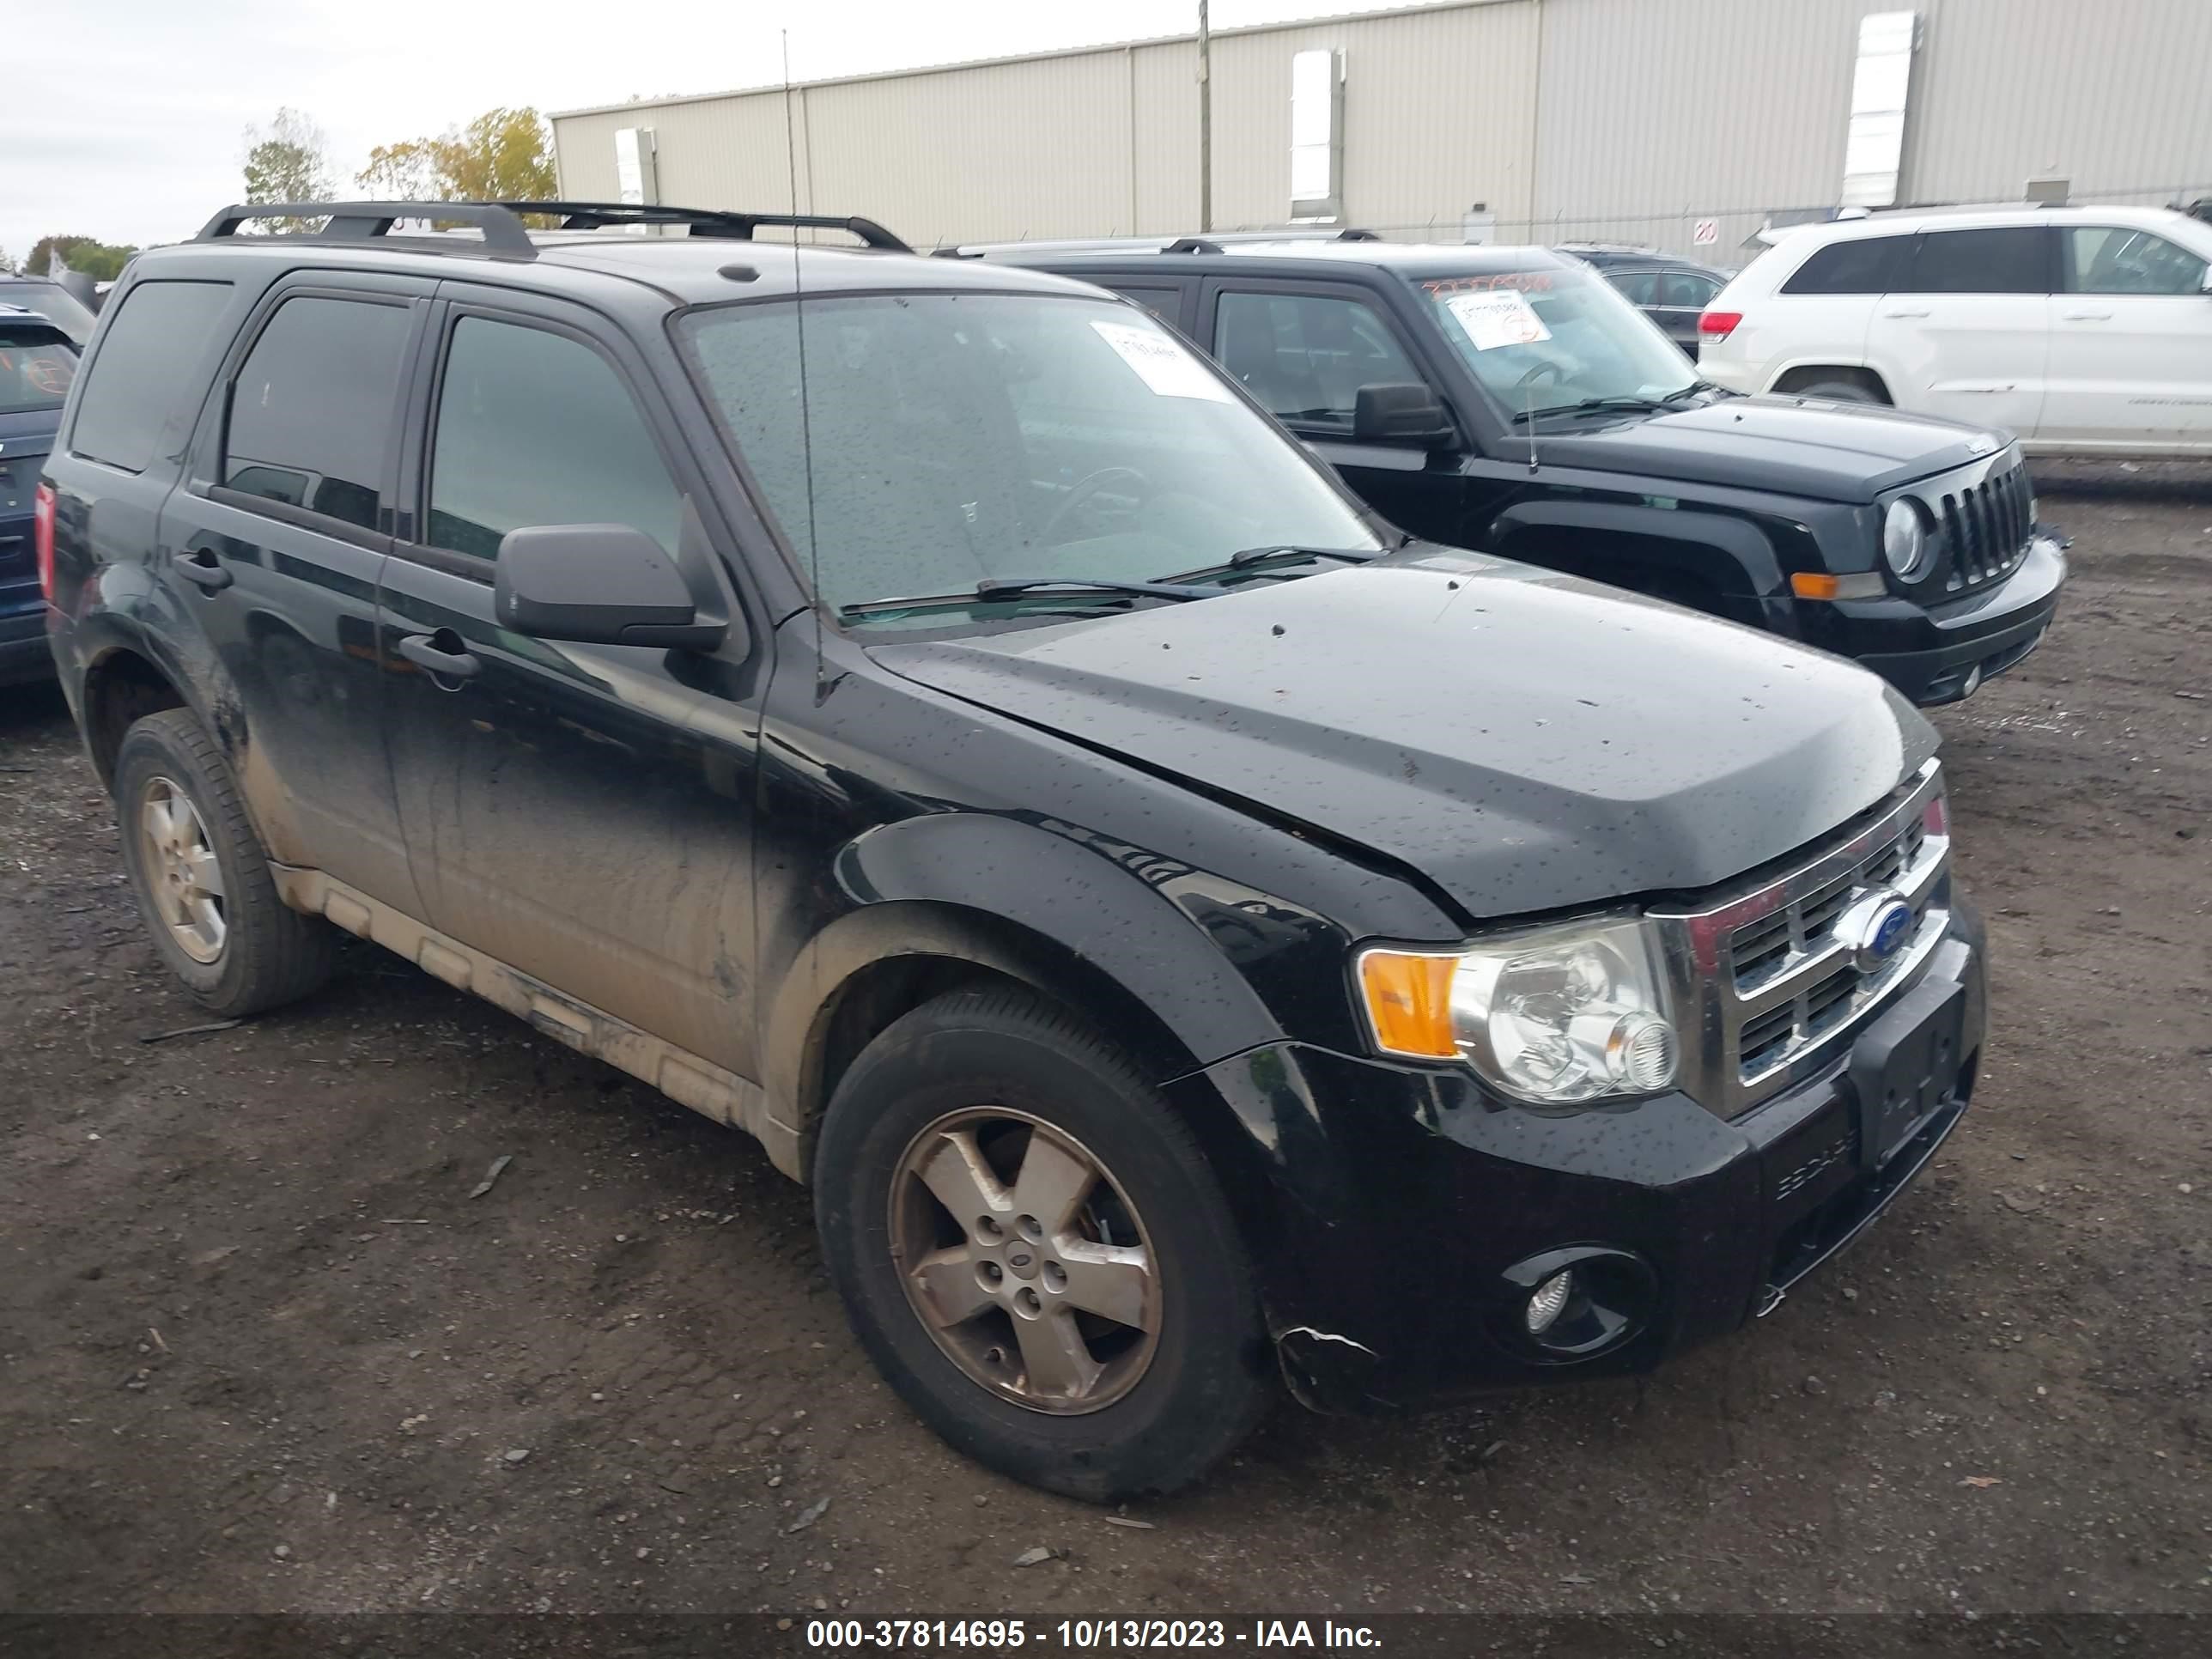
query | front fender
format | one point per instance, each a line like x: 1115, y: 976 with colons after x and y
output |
x: 1731, y: 555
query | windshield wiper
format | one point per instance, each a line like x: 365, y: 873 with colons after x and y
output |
x: 1691, y: 390
x: 998, y: 590
x: 1594, y: 406
x: 1258, y: 558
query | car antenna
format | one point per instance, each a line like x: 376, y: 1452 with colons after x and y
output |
x: 1528, y: 418
x: 806, y: 413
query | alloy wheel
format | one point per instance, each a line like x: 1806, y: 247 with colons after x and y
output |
x: 182, y: 874
x: 1024, y: 1261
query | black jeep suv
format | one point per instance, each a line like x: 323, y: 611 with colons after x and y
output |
x: 924, y: 715
x: 1508, y: 398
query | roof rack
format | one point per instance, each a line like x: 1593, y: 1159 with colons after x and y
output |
x: 709, y: 221
x: 505, y: 232
x: 1210, y: 242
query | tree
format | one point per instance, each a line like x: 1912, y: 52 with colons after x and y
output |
x: 503, y: 155
x: 287, y: 164
x: 101, y: 261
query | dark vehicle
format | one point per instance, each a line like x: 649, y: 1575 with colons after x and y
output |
x: 940, y: 727
x: 1509, y: 399
x: 1673, y: 293
x: 71, y: 302
x: 37, y: 362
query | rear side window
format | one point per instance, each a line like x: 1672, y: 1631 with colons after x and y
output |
x: 1864, y: 264
x: 535, y: 429
x: 1639, y: 288
x: 1164, y: 303
x: 1686, y: 290
x: 2014, y: 261
x: 311, y: 409
x: 146, y: 369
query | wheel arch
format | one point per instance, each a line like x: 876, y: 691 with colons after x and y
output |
x: 1730, y: 557
x: 1792, y: 381
x: 122, y: 685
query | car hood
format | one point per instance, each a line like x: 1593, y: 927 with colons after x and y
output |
x: 1828, y: 451
x: 1524, y: 740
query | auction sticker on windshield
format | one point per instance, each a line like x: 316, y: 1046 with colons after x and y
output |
x: 1164, y: 366
x: 1498, y: 318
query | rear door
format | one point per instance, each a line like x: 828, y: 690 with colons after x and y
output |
x: 582, y: 813
x: 1965, y: 331
x: 1303, y: 349
x: 274, y: 539
x: 2131, y: 344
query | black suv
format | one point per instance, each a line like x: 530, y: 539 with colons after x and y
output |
x: 1508, y: 398
x: 923, y: 715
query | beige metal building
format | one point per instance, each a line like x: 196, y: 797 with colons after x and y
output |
x: 1680, y: 122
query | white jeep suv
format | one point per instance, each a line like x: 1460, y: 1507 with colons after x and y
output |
x: 2085, y: 330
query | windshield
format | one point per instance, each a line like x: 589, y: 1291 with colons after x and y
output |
x: 37, y: 363
x: 972, y: 437
x: 1546, y: 340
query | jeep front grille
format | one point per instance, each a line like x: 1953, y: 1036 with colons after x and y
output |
x: 1769, y: 993
x: 1984, y: 528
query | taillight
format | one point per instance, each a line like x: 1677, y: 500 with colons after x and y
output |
x: 1718, y: 324
x: 42, y: 538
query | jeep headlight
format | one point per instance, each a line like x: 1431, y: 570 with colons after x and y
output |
x: 1551, y: 1016
x: 1904, y: 544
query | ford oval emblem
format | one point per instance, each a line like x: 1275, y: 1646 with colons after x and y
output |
x: 1875, y: 929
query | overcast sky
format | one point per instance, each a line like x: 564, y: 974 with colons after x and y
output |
x: 128, y: 122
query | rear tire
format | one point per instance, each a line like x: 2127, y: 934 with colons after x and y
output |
x: 982, y: 1089
x: 201, y: 875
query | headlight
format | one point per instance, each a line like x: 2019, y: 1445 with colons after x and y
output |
x: 1904, y: 545
x: 1552, y: 1016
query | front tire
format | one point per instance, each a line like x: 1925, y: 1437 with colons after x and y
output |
x: 1036, y: 1253
x: 201, y: 875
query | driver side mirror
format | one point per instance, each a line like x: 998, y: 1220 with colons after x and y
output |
x: 596, y: 584
x: 1400, y: 414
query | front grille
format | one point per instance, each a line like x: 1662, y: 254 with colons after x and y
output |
x: 1773, y: 991
x: 1985, y: 529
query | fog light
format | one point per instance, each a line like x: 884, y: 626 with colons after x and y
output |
x: 1549, y: 1299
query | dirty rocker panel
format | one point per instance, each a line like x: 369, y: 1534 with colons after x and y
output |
x: 683, y: 1076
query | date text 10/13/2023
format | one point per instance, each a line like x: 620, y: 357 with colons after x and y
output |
x: 1085, y: 1634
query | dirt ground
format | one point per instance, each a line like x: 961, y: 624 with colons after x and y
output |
x: 260, y: 1348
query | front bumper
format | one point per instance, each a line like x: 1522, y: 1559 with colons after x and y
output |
x: 1408, y: 1199
x: 1939, y: 654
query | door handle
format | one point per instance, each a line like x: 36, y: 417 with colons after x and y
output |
x: 2087, y: 316
x: 201, y: 568
x: 420, y: 649
x: 1904, y: 313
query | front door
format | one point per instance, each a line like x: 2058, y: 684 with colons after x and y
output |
x: 1304, y: 351
x: 582, y: 813
x: 2131, y: 344
x: 1966, y: 332
x: 275, y: 538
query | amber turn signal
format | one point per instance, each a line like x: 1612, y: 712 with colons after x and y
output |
x: 1409, y: 1002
